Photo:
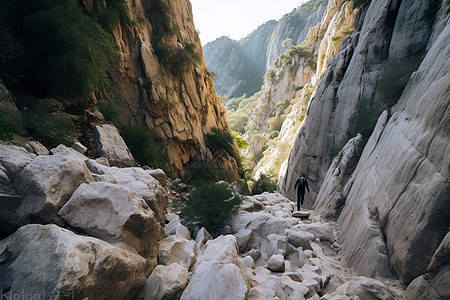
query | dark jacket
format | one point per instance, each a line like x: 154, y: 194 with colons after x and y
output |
x: 302, y: 183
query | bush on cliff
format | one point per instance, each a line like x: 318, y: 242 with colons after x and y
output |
x: 49, y: 127
x: 265, y: 183
x: 144, y: 146
x: 210, y: 206
x: 54, y: 48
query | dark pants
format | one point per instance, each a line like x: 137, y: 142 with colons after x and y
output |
x: 300, y: 198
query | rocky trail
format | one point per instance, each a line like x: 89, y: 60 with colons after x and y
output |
x: 76, y: 228
x: 269, y: 255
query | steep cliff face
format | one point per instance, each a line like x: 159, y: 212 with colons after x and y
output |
x: 240, y: 70
x: 393, y: 202
x: 165, y: 85
x: 294, y: 25
x: 365, y: 77
x: 290, y: 84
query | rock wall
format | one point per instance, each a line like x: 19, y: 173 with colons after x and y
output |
x: 392, y: 211
x: 405, y: 174
x: 351, y: 87
x: 287, y: 90
x: 173, y: 96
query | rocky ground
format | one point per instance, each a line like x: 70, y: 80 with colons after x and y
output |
x: 269, y: 255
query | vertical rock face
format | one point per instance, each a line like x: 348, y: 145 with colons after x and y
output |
x: 405, y: 174
x: 164, y: 83
x: 354, y: 84
x: 395, y: 203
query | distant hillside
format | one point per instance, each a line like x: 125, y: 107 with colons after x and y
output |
x: 241, y: 65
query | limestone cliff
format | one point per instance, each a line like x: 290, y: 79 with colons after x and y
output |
x: 366, y: 76
x: 164, y: 81
x: 141, y: 62
x: 387, y: 187
x: 290, y: 84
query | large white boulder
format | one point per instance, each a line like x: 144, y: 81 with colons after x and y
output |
x: 136, y: 180
x: 112, y: 213
x: 218, y: 273
x: 276, y: 263
x: 14, y: 159
x: 176, y: 249
x: 174, y: 227
x: 111, y: 145
x: 144, y: 185
x: 54, y: 263
x: 166, y: 282
x: 47, y: 183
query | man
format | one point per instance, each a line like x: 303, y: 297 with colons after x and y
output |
x: 302, y: 184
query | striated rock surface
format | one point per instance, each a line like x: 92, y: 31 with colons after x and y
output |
x: 54, y: 263
x: 359, y: 81
x: 402, y: 177
x: 175, y: 100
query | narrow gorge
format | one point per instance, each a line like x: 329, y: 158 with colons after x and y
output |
x: 124, y: 174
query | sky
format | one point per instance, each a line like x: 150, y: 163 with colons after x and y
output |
x: 236, y: 18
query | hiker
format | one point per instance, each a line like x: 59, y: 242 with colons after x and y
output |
x: 302, y: 183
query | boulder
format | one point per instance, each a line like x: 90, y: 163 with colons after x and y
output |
x: 47, y: 183
x: 175, y: 249
x: 431, y: 286
x: 9, y: 202
x: 301, y: 214
x: 174, y: 227
x: 216, y: 281
x: 37, y: 148
x: 111, y: 145
x: 54, y: 263
x: 144, y: 185
x: 298, y: 239
x: 244, y: 239
x: 166, y: 282
x: 14, y: 159
x: 112, y: 213
x: 276, y: 263
x: 202, y: 238
x: 159, y: 175
x: 365, y: 288
x: 322, y: 231
x: 79, y: 147
x: 218, y: 273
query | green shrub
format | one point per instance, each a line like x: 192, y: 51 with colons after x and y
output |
x: 6, y: 131
x: 144, y: 146
x: 64, y: 51
x: 221, y: 139
x: 109, y: 111
x: 240, y: 140
x: 265, y: 183
x: 115, y: 12
x: 210, y: 206
x: 50, y: 128
x: 274, y: 134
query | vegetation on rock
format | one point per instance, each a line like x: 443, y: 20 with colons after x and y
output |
x: 210, y: 206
